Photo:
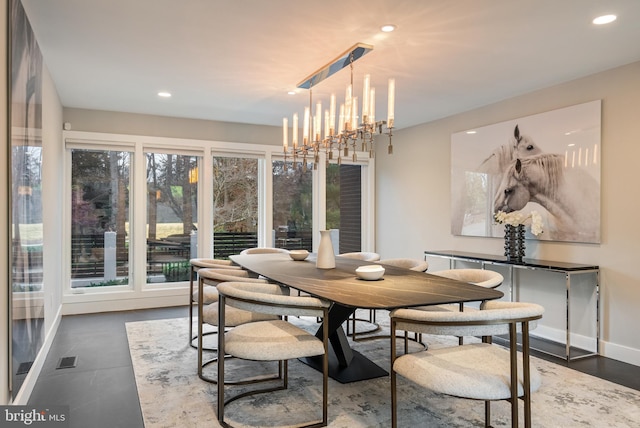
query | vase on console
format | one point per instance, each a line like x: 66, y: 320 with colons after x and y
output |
x: 326, y: 257
x: 514, y: 243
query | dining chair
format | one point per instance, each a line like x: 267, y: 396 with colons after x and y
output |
x: 263, y: 250
x: 367, y: 256
x: 477, y: 371
x: 203, y: 263
x: 417, y: 265
x: 209, y: 293
x: 270, y: 340
x: 208, y: 281
x: 481, y: 277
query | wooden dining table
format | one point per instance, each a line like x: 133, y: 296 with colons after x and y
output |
x: 398, y: 288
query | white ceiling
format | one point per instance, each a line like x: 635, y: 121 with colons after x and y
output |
x: 235, y: 60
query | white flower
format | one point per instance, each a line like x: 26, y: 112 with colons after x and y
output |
x: 516, y: 218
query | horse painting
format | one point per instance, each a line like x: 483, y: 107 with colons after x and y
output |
x: 518, y: 147
x: 569, y: 195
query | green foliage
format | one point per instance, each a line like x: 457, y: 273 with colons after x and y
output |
x: 175, y: 272
x: 21, y: 288
x: 124, y: 281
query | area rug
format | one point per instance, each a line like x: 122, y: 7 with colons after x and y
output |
x: 172, y: 395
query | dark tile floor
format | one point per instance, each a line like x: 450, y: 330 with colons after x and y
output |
x: 101, y: 390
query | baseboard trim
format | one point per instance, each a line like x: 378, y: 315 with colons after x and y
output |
x: 148, y: 302
x: 607, y: 349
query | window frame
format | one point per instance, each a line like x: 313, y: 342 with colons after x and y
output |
x: 140, y: 294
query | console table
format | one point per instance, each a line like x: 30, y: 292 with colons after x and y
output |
x: 568, y: 269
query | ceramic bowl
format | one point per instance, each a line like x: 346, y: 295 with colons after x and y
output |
x: 298, y: 254
x: 370, y: 272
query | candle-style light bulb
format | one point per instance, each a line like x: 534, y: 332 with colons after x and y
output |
x: 391, y: 105
x: 347, y: 108
x: 305, y: 127
x: 332, y: 115
x: 354, y: 113
x: 366, y: 92
x: 326, y: 125
x: 341, y: 119
x: 317, y: 131
x: 285, y: 136
x: 295, y: 131
x: 372, y: 106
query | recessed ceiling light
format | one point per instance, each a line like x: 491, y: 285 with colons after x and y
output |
x: 291, y: 92
x: 387, y: 28
x: 604, y: 19
x: 164, y: 94
x: 471, y: 132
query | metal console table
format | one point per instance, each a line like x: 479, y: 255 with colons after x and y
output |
x: 568, y: 269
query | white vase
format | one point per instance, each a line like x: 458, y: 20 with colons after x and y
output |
x: 326, y: 258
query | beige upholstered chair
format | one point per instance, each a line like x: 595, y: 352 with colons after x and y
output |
x: 196, y: 265
x: 481, y: 277
x: 208, y: 281
x: 362, y: 255
x: 479, y: 371
x: 273, y: 340
x: 263, y: 250
x: 407, y: 263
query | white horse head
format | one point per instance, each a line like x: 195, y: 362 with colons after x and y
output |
x: 519, y: 147
x: 568, y: 194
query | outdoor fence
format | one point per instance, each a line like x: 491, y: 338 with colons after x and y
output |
x: 97, y: 255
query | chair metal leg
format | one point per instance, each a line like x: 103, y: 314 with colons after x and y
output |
x: 526, y: 368
x: 487, y: 414
x: 513, y: 351
x: 392, y: 374
x: 193, y: 271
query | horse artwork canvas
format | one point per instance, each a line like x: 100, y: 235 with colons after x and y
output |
x: 549, y: 163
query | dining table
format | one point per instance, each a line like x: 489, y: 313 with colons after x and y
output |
x: 398, y: 288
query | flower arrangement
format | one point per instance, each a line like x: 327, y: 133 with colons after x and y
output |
x: 516, y: 218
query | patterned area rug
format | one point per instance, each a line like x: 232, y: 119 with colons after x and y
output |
x: 172, y: 395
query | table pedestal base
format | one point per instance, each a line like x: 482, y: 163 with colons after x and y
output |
x: 360, y: 368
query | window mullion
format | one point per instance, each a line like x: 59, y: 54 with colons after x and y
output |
x: 137, y: 226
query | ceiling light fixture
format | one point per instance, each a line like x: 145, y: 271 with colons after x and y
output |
x: 604, y: 19
x: 164, y: 94
x: 351, y: 127
x: 388, y: 28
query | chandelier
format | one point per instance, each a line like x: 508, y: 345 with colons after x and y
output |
x: 319, y: 131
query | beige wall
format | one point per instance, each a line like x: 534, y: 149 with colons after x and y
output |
x: 158, y: 126
x: 417, y: 217
x: 52, y: 195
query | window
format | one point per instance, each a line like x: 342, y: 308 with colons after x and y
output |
x: 99, y: 218
x: 344, y: 205
x: 292, y: 205
x: 235, y: 205
x: 172, y: 216
x: 142, y: 207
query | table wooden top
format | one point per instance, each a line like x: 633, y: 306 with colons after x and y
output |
x: 398, y: 288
